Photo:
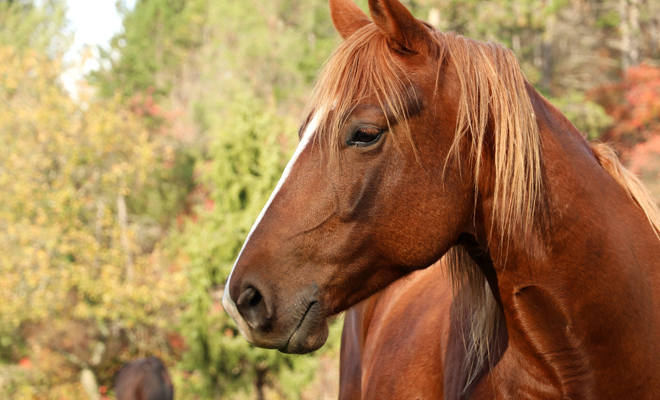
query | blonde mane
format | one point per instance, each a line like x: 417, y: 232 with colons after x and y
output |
x: 492, y: 86
x: 493, y: 91
x: 634, y: 187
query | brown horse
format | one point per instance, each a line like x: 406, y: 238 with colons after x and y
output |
x: 419, y: 143
x: 144, y: 379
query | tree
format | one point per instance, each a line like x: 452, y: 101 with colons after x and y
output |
x: 228, y: 92
x: 40, y: 26
x: 77, y: 291
x: 158, y: 36
x: 634, y: 107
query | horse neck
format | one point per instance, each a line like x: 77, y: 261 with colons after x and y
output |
x: 579, y: 291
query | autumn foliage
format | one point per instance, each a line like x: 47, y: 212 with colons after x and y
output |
x: 78, y: 289
x: 634, y: 105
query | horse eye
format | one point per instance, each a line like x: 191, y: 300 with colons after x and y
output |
x: 365, y: 136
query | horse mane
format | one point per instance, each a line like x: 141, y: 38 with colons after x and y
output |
x: 492, y: 91
x: 475, y: 306
x: 633, y: 186
x: 493, y: 100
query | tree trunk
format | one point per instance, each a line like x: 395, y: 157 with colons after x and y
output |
x: 260, y: 383
x: 89, y: 383
x: 651, y: 8
x: 629, y: 27
x: 546, y: 52
x: 98, y: 229
x: 515, y: 44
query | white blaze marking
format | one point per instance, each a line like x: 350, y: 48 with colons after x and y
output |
x: 227, y: 302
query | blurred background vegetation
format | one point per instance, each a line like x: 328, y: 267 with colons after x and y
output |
x: 125, y: 202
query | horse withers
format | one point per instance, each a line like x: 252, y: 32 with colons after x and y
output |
x: 419, y: 143
x: 144, y: 379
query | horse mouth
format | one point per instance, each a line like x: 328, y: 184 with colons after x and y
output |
x: 311, y: 332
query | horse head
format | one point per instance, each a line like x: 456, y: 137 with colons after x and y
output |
x: 380, y: 184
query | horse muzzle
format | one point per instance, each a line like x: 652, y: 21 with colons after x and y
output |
x: 299, y: 327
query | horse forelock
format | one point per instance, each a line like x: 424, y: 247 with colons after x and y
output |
x: 362, y: 69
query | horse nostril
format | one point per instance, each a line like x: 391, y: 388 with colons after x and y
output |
x: 252, y: 307
x: 256, y: 298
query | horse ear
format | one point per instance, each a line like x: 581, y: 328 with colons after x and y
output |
x: 404, y: 32
x: 347, y: 17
